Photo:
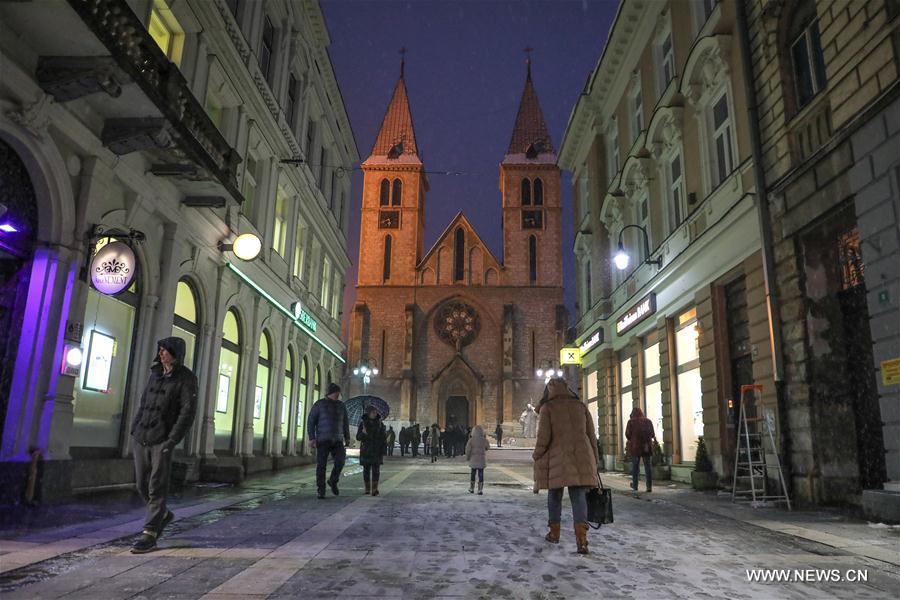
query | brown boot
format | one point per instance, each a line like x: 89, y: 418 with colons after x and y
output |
x: 581, y: 531
x: 552, y: 535
x: 368, y: 487
x: 374, y: 488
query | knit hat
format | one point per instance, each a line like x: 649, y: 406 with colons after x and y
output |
x: 332, y: 388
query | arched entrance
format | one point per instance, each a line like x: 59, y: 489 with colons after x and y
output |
x: 457, y: 411
x: 18, y: 225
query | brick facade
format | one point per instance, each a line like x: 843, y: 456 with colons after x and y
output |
x: 400, y: 321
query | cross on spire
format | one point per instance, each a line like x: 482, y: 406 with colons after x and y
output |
x: 528, y: 50
x: 402, y: 61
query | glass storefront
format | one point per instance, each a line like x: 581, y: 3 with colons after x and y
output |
x: 99, y: 395
x: 286, y: 398
x: 626, y: 395
x: 301, y: 398
x: 261, y: 393
x: 653, y: 386
x: 185, y: 323
x: 690, y: 406
x: 226, y: 390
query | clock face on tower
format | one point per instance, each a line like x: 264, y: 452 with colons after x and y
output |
x: 389, y: 219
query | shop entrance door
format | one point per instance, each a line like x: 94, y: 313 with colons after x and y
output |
x: 740, y: 364
x: 457, y: 411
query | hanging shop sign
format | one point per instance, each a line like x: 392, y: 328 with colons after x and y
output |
x: 637, y: 313
x: 592, y: 340
x: 113, y: 268
x: 303, y: 316
x: 569, y: 356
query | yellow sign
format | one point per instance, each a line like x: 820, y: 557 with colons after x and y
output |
x: 570, y: 356
x: 890, y: 371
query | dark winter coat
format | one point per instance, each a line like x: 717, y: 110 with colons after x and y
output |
x: 640, y: 434
x: 168, y: 402
x: 373, y: 436
x: 328, y: 421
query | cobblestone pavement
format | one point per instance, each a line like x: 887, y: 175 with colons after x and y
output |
x: 426, y: 536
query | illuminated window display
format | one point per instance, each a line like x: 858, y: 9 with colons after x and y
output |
x: 185, y: 324
x: 286, y: 397
x: 626, y: 396
x: 261, y: 400
x: 229, y: 365
x: 99, y: 393
x: 301, y: 398
x: 653, y: 387
x: 690, y: 406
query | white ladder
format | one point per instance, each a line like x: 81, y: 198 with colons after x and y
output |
x: 750, y: 456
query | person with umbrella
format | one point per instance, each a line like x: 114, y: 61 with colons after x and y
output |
x: 372, y: 435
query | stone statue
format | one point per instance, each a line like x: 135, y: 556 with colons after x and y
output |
x: 529, y: 421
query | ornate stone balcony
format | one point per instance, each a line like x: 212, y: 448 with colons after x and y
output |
x: 195, y: 136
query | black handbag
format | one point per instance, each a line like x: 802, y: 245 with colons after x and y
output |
x: 599, y: 506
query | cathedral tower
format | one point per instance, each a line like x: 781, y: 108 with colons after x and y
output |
x: 530, y: 185
x: 392, y: 227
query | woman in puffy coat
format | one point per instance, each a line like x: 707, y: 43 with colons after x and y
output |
x: 373, y: 436
x: 476, y: 455
x: 565, y: 456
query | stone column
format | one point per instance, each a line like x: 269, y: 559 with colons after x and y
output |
x: 507, y: 385
x: 272, y: 446
x: 214, y: 329
x: 250, y: 357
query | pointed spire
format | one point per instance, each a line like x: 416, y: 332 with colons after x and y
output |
x: 530, y: 135
x: 397, y: 136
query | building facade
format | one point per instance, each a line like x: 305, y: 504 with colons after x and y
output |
x: 784, y: 263
x: 164, y: 126
x: 826, y: 87
x: 660, y: 139
x: 456, y: 333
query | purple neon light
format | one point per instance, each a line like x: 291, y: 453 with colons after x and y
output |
x: 8, y: 228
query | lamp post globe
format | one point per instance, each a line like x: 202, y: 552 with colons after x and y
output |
x: 621, y: 259
x: 247, y: 246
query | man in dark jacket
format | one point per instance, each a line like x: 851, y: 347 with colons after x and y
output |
x: 163, y: 418
x: 329, y: 433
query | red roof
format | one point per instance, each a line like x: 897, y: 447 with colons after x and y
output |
x: 397, y: 125
x: 530, y: 126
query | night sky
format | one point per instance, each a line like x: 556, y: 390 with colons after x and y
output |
x: 465, y: 71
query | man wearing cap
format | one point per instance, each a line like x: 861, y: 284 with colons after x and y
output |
x: 329, y: 433
x: 163, y: 418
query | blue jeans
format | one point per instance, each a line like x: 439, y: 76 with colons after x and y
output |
x: 338, y: 453
x: 636, y: 468
x: 480, y: 473
x: 578, y: 498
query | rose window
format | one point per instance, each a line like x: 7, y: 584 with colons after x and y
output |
x: 457, y: 324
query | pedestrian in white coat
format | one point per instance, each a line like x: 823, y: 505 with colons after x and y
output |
x: 476, y: 455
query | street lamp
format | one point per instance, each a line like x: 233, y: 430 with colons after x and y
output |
x: 245, y: 246
x: 547, y: 370
x: 365, y: 370
x: 621, y: 258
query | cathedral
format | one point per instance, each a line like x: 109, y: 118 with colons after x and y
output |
x: 456, y: 333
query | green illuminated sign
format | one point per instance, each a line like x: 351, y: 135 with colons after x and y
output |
x: 298, y: 321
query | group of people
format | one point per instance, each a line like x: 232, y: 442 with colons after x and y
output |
x: 565, y: 454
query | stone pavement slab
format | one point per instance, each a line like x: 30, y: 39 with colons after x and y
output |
x: 427, y: 537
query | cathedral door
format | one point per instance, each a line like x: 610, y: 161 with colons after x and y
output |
x: 457, y: 411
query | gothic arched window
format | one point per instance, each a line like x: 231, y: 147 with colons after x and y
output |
x: 532, y: 259
x: 538, y: 192
x: 384, y: 198
x: 526, y: 192
x: 398, y: 191
x: 459, y: 255
x: 387, y: 258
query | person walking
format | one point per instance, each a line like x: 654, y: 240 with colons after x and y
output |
x: 329, y: 434
x: 416, y: 440
x: 476, y: 455
x: 389, y: 447
x: 425, y: 446
x: 165, y: 414
x: 435, y: 441
x: 640, y: 435
x: 371, y: 451
x: 498, y: 433
x: 565, y: 456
